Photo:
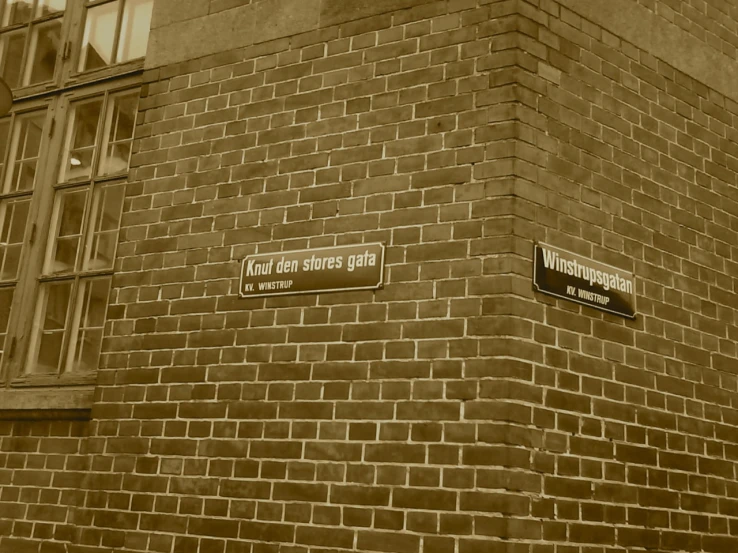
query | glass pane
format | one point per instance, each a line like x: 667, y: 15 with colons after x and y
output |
x: 45, y: 41
x: 17, y: 11
x: 97, y: 42
x: 46, y: 7
x: 107, y: 205
x: 81, y: 134
x: 89, y: 317
x: 24, y: 148
x: 12, y: 46
x: 134, y: 29
x: 67, y: 231
x: 4, y: 139
x: 48, y: 327
x: 13, y: 219
x: 6, y: 298
x: 119, y: 124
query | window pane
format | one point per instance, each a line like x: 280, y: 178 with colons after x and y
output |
x: 6, y: 298
x: 17, y: 11
x: 13, y: 219
x: 46, y: 7
x: 42, y: 52
x: 12, y: 46
x: 48, y: 327
x: 67, y: 231
x: 24, y: 149
x: 107, y: 205
x: 89, y: 317
x: 4, y: 139
x: 134, y: 30
x: 80, y: 147
x: 97, y: 42
x: 119, y: 124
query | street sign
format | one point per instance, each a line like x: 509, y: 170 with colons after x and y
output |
x: 572, y: 277
x: 316, y: 270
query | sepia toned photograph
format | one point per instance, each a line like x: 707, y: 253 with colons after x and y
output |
x: 368, y: 276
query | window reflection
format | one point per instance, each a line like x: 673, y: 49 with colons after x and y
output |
x: 13, y: 220
x: 134, y: 30
x: 45, y: 41
x: 50, y: 321
x: 122, y: 22
x: 99, y: 36
x: 17, y: 11
x: 12, y: 47
x: 119, y: 124
x: 6, y: 298
x: 4, y: 139
x: 89, y: 319
x: 28, y: 54
x: 81, y: 136
x: 25, y: 145
x: 104, y: 226
x: 67, y: 224
x: 46, y: 7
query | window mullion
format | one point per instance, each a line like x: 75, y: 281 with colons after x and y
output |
x: 24, y: 68
x: 70, y: 33
x: 103, y: 130
x: 116, y: 36
x: 102, y: 123
x: 84, y: 229
x: 6, y: 153
x: 69, y: 326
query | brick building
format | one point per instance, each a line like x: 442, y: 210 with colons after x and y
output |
x: 146, y: 406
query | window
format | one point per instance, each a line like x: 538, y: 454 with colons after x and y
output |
x: 47, y: 43
x: 30, y: 40
x: 78, y: 262
x: 21, y: 136
x: 115, y: 32
x: 64, y: 157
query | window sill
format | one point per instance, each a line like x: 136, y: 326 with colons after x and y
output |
x: 31, y: 91
x: 130, y: 68
x: 104, y: 73
x: 46, y: 403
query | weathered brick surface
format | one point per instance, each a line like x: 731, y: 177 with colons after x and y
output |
x: 42, y: 465
x: 635, y: 166
x: 332, y: 421
x: 714, y: 22
x: 455, y: 410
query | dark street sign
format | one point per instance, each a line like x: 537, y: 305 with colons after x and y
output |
x: 570, y: 276
x: 334, y: 269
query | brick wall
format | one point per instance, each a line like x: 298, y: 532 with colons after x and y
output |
x: 454, y: 410
x: 635, y: 165
x: 42, y: 464
x: 330, y: 421
x: 714, y: 22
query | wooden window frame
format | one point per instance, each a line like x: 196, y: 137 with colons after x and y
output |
x: 27, y: 90
x: 14, y: 361
x: 57, y: 392
x: 73, y: 74
x: 66, y: 74
x: 29, y: 235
